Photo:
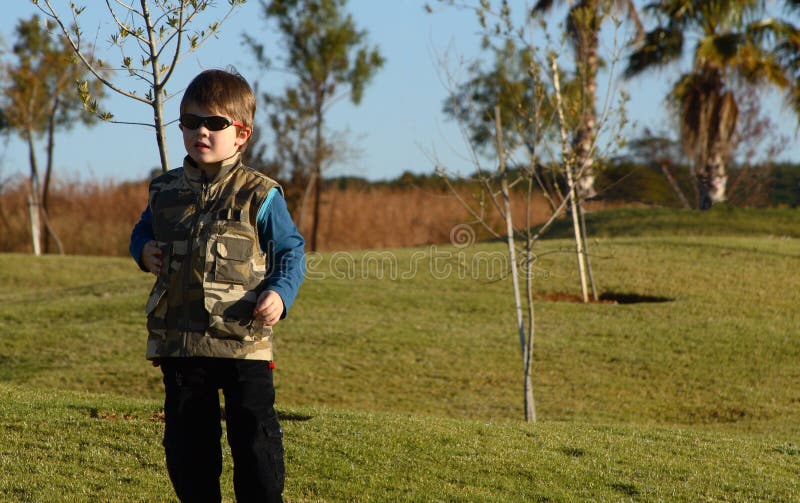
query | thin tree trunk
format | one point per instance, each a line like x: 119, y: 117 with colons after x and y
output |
x: 576, y: 228
x: 530, y: 410
x: 33, y: 212
x: 157, y: 99
x: 527, y: 391
x: 158, y: 117
x: 51, y: 126
x: 51, y: 232
x: 33, y: 198
x: 318, y: 154
x: 589, y: 270
x: 674, y: 184
x: 509, y: 226
x: 530, y: 404
x: 568, y: 163
x: 315, y: 221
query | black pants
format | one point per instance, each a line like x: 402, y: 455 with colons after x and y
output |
x: 192, y: 432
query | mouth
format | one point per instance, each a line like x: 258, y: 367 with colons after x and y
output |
x: 201, y: 146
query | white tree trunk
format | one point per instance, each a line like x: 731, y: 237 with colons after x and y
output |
x: 573, y: 199
x: 530, y: 410
x: 36, y: 227
x: 711, y: 184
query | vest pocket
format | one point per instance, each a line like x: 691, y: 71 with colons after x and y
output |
x: 232, y: 260
x: 231, y: 313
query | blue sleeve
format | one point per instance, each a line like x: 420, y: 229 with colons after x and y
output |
x: 142, y: 233
x: 284, y: 246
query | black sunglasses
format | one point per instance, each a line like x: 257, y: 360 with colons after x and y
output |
x: 211, y: 122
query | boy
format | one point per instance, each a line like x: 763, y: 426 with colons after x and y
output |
x: 229, y: 261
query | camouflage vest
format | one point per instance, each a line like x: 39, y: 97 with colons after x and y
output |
x: 212, y: 267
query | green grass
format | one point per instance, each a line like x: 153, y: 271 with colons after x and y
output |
x: 408, y: 365
x: 58, y: 446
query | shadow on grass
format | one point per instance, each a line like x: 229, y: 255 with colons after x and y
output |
x: 632, y: 298
x: 608, y: 298
x: 158, y: 415
x: 293, y: 416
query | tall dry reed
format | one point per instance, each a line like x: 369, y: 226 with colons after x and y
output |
x: 95, y: 218
x: 90, y: 218
x: 391, y: 217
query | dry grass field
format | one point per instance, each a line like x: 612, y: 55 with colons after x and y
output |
x: 96, y: 218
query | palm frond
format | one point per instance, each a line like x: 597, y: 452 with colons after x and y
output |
x: 661, y: 46
x: 757, y: 66
x: 541, y: 6
x: 718, y: 50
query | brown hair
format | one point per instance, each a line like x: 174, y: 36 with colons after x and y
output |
x: 225, y: 92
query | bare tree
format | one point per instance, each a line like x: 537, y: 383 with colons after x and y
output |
x: 542, y: 105
x: 152, y: 38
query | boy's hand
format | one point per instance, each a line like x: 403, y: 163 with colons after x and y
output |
x: 269, y: 308
x: 151, y: 256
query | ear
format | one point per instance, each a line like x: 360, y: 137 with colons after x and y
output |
x: 243, y: 135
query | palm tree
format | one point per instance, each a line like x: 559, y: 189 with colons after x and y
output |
x: 735, y: 43
x: 584, y: 21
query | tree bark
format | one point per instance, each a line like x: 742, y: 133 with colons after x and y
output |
x: 589, y: 271
x: 318, y: 154
x: 33, y: 212
x: 51, y: 127
x: 585, y: 19
x: 712, y: 182
x: 568, y: 167
x: 33, y: 199
x: 587, y: 24
x: 156, y: 100
x: 530, y: 414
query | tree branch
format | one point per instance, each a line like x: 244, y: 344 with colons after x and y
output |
x: 129, y: 29
x: 89, y: 66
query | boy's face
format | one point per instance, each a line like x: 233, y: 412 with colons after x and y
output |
x: 209, y: 147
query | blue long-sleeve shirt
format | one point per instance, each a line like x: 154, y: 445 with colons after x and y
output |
x: 278, y: 237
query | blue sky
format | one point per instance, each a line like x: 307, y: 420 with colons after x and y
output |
x: 398, y: 126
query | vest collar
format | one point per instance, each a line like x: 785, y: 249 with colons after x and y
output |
x: 197, y: 177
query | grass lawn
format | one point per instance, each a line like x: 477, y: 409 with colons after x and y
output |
x: 399, y: 375
x: 78, y: 447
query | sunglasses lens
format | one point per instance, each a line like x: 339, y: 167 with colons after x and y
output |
x: 190, y: 121
x: 213, y: 122
x: 216, y: 123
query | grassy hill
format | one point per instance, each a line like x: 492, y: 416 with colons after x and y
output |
x: 399, y: 376
x: 68, y: 446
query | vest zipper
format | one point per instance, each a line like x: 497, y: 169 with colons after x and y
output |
x: 193, y: 234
